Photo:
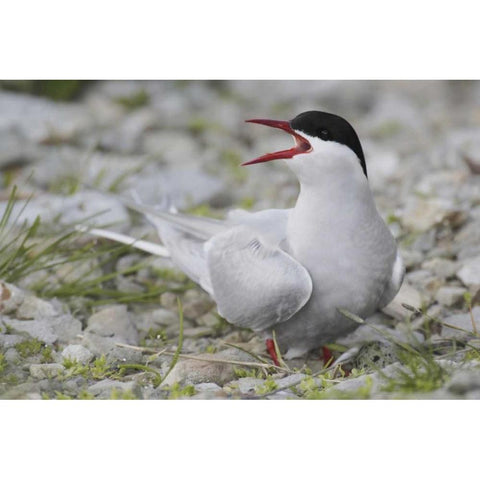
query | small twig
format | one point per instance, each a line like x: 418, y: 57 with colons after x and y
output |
x: 203, y: 359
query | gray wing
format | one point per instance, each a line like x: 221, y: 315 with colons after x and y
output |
x: 270, y: 223
x: 255, y: 284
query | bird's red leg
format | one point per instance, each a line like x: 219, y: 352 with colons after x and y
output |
x: 327, y: 356
x: 271, y: 351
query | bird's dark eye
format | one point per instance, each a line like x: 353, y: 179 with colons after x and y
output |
x: 324, y: 134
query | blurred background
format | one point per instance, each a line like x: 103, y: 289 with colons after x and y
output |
x: 186, y: 140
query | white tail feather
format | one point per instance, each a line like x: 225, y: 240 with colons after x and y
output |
x: 149, y: 247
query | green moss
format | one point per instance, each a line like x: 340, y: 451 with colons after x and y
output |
x: 10, y: 379
x: 117, y: 394
x: 157, y: 334
x: 247, y: 203
x: 74, y: 368
x: 392, y: 218
x: 62, y: 396
x: 248, y: 372
x: 58, y: 90
x: 268, y: 386
x: 46, y: 355
x: 132, y: 102
x: 176, y: 391
x: 27, y: 348
x: 100, y: 368
x: 3, y: 363
x: 156, y: 378
x: 421, y: 373
x: 84, y: 395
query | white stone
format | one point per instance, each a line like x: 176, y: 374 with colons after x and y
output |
x: 462, y: 323
x: 77, y: 353
x: 469, y: 274
x: 449, y: 296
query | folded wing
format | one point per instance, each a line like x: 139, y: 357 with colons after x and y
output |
x: 255, y: 284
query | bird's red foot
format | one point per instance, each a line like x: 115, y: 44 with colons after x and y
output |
x: 327, y: 356
x: 271, y: 351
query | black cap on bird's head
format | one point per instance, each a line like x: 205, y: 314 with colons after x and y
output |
x: 325, y: 126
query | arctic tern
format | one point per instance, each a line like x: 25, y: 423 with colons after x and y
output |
x: 290, y: 271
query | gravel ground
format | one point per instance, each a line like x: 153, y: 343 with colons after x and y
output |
x: 84, y: 318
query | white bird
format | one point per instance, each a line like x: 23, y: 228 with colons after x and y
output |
x: 289, y: 271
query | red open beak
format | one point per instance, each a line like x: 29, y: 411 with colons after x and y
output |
x: 302, y: 145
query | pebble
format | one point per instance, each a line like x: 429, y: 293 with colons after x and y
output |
x: 461, y: 321
x: 104, y: 388
x: 469, y: 274
x: 464, y: 381
x: 441, y: 267
x: 207, y: 370
x: 422, y: 214
x: 100, y: 345
x: 450, y: 296
x: 245, y: 385
x: 115, y: 323
x: 196, y: 304
x: 77, y: 353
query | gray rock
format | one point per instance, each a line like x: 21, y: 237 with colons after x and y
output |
x: 48, y: 330
x: 208, y: 387
x: 11, y: 297
x: 100, y: 345
x: 467, y: 240
x: 208, y: 320
x: 411, y: 258
x: 12, y: 356
x: 169, y: 300
x: 77, y: 353
x: 66, y: 327
x: 406, y: 295
x: 450, y: 296
x: 463, y: 322
x: 113, y: 322
x: 196, y: 304
x: 154, y: 319
x: 46, y: 370
x: 463, y: 381
x: 104, y: 388
x: 7, y: 341
x: 37, y: 119
x: 441, y: 267
x: 422, y: 214
x: 469, y: 274
x: 245, y: 385
x: 40, y: 329
x: 207, y: 370
x: 33, y: 307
